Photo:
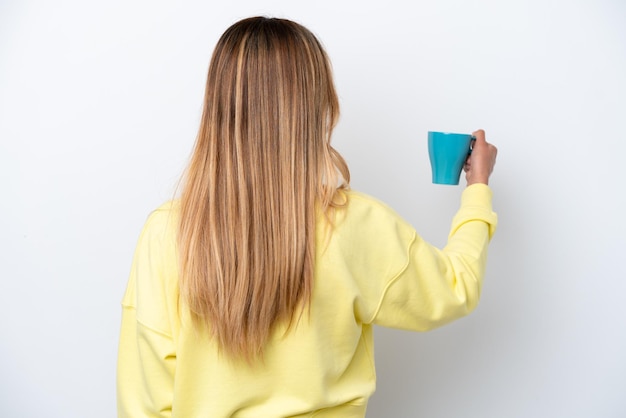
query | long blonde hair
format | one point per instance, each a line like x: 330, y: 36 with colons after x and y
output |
x: 261, y: 171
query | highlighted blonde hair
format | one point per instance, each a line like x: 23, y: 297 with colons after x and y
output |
x: 262, y: 170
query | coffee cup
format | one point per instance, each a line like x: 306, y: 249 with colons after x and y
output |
x: 448, y: 153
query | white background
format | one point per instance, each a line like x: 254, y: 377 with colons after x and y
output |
x: 99, y: 106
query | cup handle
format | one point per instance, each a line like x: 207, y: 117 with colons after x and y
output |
x: 473, y: 139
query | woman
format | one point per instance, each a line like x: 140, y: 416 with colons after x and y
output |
x: 255, y: 293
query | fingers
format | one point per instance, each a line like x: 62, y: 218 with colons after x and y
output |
x: 479, y: 140
x: 479, y: 165
x: 480, y: 136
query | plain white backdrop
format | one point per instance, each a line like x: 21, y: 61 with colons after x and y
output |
x: 99, y: 106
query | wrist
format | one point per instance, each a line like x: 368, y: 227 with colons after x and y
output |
x: 478, y: 180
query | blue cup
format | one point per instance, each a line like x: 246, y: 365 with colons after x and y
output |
x: 448, y: 153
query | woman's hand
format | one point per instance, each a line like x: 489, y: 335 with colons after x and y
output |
x: 480, y: 162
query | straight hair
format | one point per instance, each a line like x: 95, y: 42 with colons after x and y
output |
x: 261, y: 172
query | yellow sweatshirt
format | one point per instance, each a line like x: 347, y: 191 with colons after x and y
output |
x: 373, y: 270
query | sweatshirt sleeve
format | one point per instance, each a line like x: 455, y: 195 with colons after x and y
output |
x: 437, y: 286
x: 147, y: 355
